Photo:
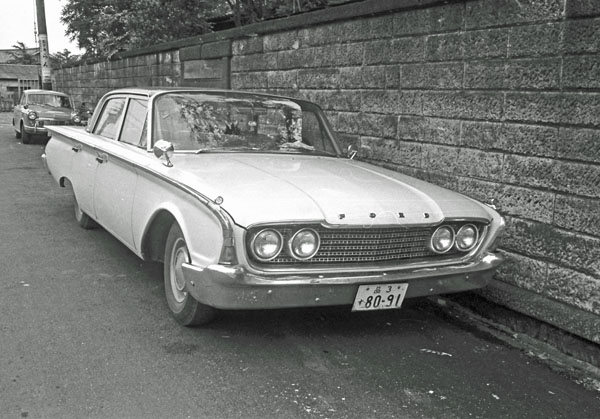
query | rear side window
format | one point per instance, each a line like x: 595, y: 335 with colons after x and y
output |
x: 135, y: 123
x: 109, y: 120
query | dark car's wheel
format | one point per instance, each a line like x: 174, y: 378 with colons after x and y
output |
x: 82, y: 218
x: 186, y: 310
x: 25, y: 135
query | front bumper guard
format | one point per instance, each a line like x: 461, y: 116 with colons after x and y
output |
x: 233, y: 288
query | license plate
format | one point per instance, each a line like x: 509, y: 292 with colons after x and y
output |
x: 379, y: 297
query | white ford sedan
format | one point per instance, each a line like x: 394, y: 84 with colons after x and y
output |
x: 249, y: 202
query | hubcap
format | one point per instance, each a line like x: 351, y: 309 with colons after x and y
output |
x: 178, y: 258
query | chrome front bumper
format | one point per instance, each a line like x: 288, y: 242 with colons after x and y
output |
x: 234, y: 288
x: 35, y: 130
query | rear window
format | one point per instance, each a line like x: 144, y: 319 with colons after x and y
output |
x: 108, y: 123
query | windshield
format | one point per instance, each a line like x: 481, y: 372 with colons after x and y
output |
x: 55, y: 101
x: 204, y: 122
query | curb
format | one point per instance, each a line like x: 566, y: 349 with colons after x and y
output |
x: 571, y: 365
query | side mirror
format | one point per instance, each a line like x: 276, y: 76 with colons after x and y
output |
x: 166, y: 149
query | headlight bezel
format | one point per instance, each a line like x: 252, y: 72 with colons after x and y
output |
x: 433, y: 247
x: 275, y: 254
x: 32, y: 115
x: 290, y: 244
x: 475, y: 240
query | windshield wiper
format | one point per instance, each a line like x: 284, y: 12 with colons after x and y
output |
x: 304, y: 150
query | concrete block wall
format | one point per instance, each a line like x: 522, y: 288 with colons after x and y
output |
x: 88, y: 83
x: 491, y: 98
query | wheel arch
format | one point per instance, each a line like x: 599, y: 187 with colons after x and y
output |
x: 64, y: 182
x: 155, y: 235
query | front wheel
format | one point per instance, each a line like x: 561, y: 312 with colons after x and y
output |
x: 25, y: 136
x: 186, y: 310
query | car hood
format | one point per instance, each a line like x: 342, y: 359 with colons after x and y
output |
x: 258, y: 188
x: 49, y: 112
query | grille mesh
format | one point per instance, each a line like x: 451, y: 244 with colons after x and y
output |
x: 361, y: 246
x: 52, y: 122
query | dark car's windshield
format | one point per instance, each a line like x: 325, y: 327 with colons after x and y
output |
x: 55, y: 101
x: 200, y: 122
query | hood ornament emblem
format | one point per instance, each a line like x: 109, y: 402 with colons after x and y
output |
x: 372, y: 215
x: 426, y: 214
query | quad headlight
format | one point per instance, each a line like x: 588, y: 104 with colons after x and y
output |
x: 442, y: 239
x: 304, y: 244
x: 467, y: 237
x: 266, y: 244
x: 269, y: 243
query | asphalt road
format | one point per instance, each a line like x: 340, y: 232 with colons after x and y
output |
x: 85, y: 333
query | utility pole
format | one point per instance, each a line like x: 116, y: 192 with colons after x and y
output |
x: 44, y: 51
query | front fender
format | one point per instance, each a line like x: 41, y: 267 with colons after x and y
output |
x: 202, y: 229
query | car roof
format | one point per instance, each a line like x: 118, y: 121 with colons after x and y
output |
x: 47, y: 92
x: 152, y: 91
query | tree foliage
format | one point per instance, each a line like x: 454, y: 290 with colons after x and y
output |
x: 62, y: 58
x: 105, y: 27
x: 23, y: 55
x: 245, y: 12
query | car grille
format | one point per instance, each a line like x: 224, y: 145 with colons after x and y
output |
x: 53, y: 122
x: 389, y: 245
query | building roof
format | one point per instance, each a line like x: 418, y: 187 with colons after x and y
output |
x: 19, y: 71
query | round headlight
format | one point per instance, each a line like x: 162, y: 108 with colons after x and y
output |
x: 32, y: 115
x: 304, y: 244
x: 76, y: 119
x: 442, y: 239
x: 466, y: 238
x: 266, y: 244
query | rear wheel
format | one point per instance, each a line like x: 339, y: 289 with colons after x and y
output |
x: 82, y: 218
x: 17, y: 133
x: 186, y: 310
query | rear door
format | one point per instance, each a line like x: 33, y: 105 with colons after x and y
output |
x: 87, y: 157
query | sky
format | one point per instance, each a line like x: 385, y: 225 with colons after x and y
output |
x: 16, y: 24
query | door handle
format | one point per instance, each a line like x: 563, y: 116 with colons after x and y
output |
x: 101, y: 158
x: 77, y: 148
